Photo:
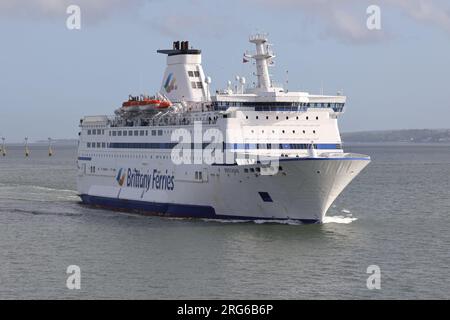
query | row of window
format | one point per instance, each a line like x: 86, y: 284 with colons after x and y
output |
x: 194, y: 74
x: 198, y: 175
x: 125, y: 133
x: 96, y: 144
x: 257, y: 169
x: 337, y: 107
x: 284, y: 131
x: 287, y: 117
x: 229, y: 146
x: 95, y: 132
x: 196, y: 85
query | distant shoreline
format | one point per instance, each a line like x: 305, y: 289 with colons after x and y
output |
x: 397, y: 137
x: 407, y: 136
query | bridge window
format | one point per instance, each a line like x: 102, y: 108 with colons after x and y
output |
x: 197, y: 73
x: 193, y: 84
x: 191, y: 73
x: 199, y: 85
x: 89, y: 132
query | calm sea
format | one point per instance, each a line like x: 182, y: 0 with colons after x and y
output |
x: 395, y: 215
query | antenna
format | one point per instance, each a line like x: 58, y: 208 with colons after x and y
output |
x: 287, y: 80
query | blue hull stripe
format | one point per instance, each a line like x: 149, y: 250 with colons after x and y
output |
x: 168, y: 209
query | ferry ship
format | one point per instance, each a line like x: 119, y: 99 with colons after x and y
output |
x: 245, y: 152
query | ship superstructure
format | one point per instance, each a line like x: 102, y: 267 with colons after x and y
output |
x: 245, y: 152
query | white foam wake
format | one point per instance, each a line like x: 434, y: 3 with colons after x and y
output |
x: 339, y: 219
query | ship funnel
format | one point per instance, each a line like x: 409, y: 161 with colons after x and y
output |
x: 184, y: 79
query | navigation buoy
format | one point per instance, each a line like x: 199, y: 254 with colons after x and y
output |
x: 50, y: 151
x: 3, y: 147
x: 27, y: 151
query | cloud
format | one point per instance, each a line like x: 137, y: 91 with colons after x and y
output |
x: 346, y: 19
x: 426, y: 11
x: 55, y: 9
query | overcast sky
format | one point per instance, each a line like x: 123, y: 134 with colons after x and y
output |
x: 395, y: 78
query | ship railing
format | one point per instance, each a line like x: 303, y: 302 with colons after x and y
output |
x: 161, y: 121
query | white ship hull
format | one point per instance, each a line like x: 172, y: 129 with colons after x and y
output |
x: 303, y: 190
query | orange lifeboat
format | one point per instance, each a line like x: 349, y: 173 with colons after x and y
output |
x: 144, y: 103
x: 164, y: 104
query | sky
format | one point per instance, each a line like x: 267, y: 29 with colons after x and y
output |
x: 50, y: 76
